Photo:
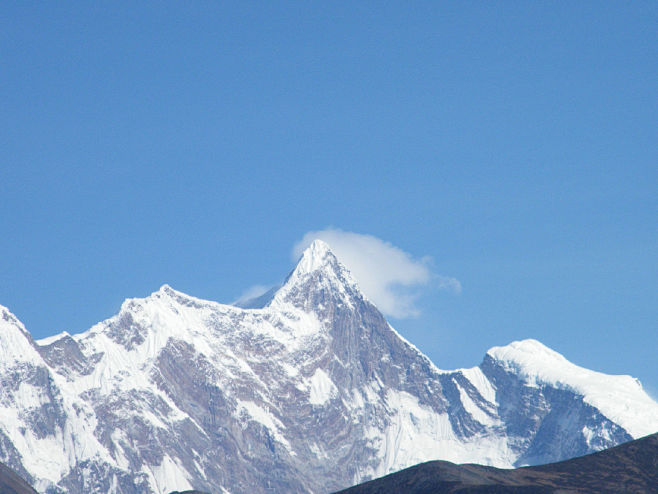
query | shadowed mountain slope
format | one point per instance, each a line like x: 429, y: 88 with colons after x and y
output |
x: 629, y: 468
x: 12, y: 483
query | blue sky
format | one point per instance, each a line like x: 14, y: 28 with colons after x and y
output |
x: 508, y: 147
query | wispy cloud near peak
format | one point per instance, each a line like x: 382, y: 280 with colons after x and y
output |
x: 388, y: 275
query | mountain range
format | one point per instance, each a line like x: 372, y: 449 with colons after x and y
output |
x: 306, y: 389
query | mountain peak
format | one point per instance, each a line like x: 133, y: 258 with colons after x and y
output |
x: 319, y: 258
x: 165, y: 288
x: 525, y: 351
x: 168, y: 291
x: 16, y: 344
x: 9, y: 320
x: 318, y: 268
x: 620, y: 397
x: 316, y: 256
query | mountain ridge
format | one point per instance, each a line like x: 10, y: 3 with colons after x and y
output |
x: 312, y: 392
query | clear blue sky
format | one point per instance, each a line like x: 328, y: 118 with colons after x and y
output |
x: 195, y: 143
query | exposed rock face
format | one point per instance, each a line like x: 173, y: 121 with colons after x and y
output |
x: 311, y: 393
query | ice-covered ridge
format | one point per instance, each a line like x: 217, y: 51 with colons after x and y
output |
x: 481, y: 383
x: 420, y: 354
x: 318, y: 261
x: 165, y: 305
x: 15, y: 344
x: 8, y: 319
x: 620, y: 398
x: 52, y: 339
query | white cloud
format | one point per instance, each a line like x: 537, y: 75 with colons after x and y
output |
x: 388, y: 276
x: 251, y: 293
x: 449, y: 283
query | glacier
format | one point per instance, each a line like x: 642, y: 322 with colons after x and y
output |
x: 307, y: 390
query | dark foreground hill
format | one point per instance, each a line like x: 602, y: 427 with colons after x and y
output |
x: 11, y: 483
x: 628, y: 468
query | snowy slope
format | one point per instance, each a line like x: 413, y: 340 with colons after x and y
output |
x: 619, y: 398
x: 310, y: 393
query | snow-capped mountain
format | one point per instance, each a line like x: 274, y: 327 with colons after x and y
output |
x: 308, y: 390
